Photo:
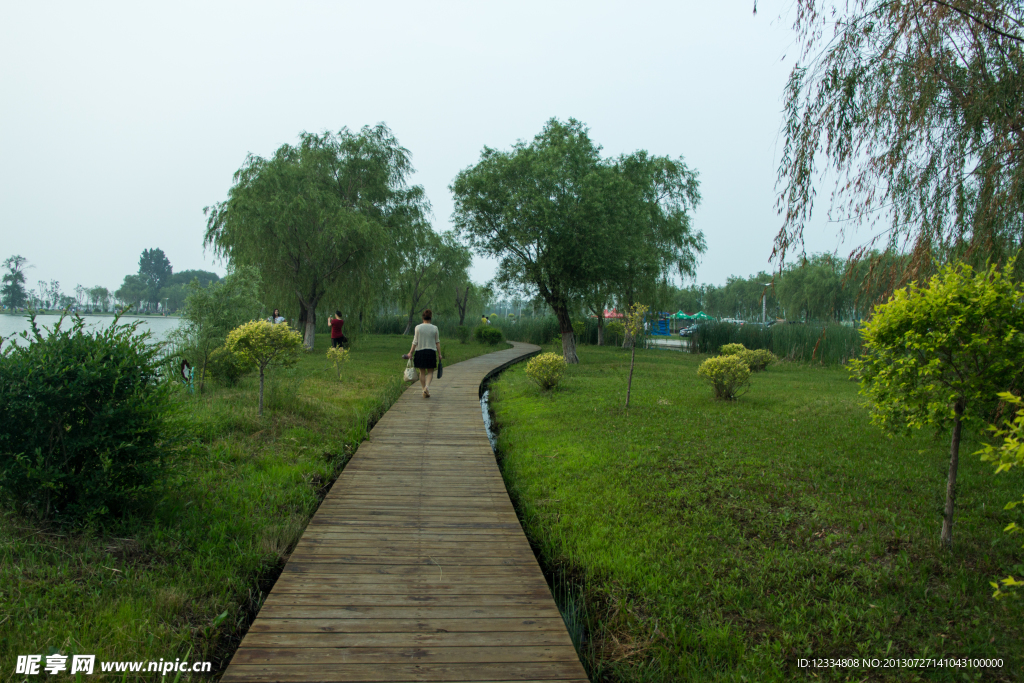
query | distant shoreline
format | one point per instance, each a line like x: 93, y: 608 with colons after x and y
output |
x: 95, y: 315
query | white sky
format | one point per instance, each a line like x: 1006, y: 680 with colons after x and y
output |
x: 119, y: 122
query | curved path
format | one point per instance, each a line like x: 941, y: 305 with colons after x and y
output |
x: 415, y: 568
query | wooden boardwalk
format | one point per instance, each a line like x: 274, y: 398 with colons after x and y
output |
x: 415, y: 567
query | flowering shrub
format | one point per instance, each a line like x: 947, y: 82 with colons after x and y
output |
x: 726, y: 375
x: 757, y: 359
x: 546, y: 369
x: 338, y: 356
x: 732, y: 349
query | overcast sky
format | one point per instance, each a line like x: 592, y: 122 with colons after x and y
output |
x: 120, y: 122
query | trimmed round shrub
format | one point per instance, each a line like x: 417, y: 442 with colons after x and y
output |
x: 462, y: 334
x: 226, y: 368
x: 732, y: 349
x: 578, y: 328
x: 485, y: 334
x: 546, y: 369
x: 83, y: 420
x: 757, y: 359
x: 726, y: 375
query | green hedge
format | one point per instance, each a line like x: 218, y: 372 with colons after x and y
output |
x: 82, y: 421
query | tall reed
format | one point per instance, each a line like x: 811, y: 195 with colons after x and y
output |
x: 828, y: 344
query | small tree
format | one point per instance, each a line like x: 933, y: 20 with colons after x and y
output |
x: 211, y: 312
x: 1005, y: 457
x: 338, y: 356
x: 12, y: 293
x: 634, y: 323
x: 938, y: 355
x: 262, y: 343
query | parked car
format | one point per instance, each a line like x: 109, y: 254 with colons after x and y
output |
x: 687, y: 331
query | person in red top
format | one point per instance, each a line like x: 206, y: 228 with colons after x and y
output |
x: 337, y: 336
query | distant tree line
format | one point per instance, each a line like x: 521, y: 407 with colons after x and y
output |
x: 156, y: 287
x: 822, y: 287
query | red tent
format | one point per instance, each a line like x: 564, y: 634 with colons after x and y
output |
x: 613, y: 314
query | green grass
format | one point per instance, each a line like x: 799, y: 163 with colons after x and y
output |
x: 693, y: 539
x: 239, y: 492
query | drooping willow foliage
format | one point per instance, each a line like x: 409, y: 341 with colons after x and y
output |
x: 917, y: 108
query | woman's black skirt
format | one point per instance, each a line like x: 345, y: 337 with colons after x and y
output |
x: 425, y: 359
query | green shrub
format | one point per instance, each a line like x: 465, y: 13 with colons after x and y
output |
x: 546, y: 369
x: 616, y: 330
x: 225, y: 367
x: 732, y: 349
x: 578, y: 328
x: 726, y: 375
x: 82, y: 421
x: 485, y: 334
x: 757, y: 359
x: 462, y: 333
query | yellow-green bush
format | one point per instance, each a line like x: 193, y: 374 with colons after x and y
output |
x: 726, y: 375
x: 339, y: 357
x: 732, y: 349
x: 546, y: 369
x: 757, y: 359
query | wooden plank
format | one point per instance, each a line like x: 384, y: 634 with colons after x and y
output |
x: 532, y: 672
x: 415, y: 567
x: 347, y: 627
x: 377, y: 639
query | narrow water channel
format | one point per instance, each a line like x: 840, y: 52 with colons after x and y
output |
x: 485, y: 408
x: 566, y: 589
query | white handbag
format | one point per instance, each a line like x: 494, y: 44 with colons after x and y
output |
x: 411, y: 375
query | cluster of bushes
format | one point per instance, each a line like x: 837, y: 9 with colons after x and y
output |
x: 84, y: 422
x: 730, y: 372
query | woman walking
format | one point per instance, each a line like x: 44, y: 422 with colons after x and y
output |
x: 425, y: 351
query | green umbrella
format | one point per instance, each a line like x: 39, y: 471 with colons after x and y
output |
x: 702, y: 316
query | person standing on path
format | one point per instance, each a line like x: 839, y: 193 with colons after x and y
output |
x: 337, y: 336
x: 276, y: 318
x: 425, y: 350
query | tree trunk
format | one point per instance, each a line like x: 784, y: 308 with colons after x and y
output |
x: 629, y: 384
x: 954, y: 458
x: 568, y: 339
x: 600, y: 330
x: 307, y: 320
x: 261, y: 392
x: 412, y: 318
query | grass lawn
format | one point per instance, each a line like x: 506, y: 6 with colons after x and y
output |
x: 693, y: 539
x: 240, y: 489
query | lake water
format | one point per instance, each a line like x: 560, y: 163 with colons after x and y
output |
x: 15, y: 324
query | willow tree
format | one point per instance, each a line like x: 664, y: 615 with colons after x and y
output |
x: 564, y: 222
x: 659, y: 239
x: 433, y: 267
x: 318, y: 216
x: 916, y: 107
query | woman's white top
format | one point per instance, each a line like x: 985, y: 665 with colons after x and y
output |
x: 426, y: 337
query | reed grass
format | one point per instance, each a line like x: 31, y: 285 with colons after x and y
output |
x: 827, y: 344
